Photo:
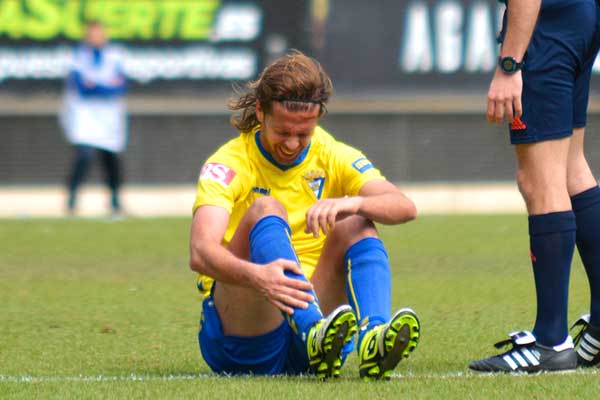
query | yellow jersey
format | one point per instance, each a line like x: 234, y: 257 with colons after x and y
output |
x: 242, y: 170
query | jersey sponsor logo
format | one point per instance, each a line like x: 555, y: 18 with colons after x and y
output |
x: 362, y: 165
x: 260, y: 190
x: 217, y: 172
x: 316, y: 181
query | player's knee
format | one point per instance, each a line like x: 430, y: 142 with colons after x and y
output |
x: 411, y: 211
x: 352, y: 229
x: 579, y: 176
x: 266, y: 205
x: 526, y: 185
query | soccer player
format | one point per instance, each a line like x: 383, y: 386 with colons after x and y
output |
x: 284, y: 227
x: 541, y: 86
x: 93, y: 112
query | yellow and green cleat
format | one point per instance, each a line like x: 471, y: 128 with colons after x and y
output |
x: 384, y: 346
x: 326, y: 339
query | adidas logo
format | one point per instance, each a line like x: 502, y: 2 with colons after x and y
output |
x: 517, y: 125
x: 522, y: 357
x: 588, y: 347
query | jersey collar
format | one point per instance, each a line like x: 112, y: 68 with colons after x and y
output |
x: 270, y: 158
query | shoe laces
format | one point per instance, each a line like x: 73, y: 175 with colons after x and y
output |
x: 517, y: 339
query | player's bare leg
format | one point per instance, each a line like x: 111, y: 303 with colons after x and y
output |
x: 542, y: 180
x: 244, y: 312
x: 542, y: 175
x: 579, y: 175
x: 329, y: 278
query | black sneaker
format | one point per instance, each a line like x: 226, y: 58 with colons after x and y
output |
x: 528, y: 356
x: 588, y: 339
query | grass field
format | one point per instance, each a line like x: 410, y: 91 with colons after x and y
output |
x: 91, y: 308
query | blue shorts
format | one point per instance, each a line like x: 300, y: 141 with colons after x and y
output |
x: 557, y: 70
x: 275, y: 353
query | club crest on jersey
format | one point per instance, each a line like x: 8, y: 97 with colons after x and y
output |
x: 316, y: 181
x: 217, y: 172
x: 362, y: 165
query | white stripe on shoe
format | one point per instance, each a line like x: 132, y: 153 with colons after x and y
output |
x: 507, y: 358
x: 588, y: 348
x: 590, y: 339
x: 530, y: 357
x: 584, y: 354
x: 519, y: 359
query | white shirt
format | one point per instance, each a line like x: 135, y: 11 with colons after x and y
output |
x: 93, y: 111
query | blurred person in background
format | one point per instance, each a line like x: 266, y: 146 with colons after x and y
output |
x: 93, y: 114
x: 283, y: 233
x: 541, y: 86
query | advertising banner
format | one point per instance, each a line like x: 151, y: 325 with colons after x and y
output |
x: 413, y: 45
x: 164, y: 41
x: 182, y: 46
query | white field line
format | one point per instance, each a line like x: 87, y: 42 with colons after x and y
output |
x: 188, y: 377
x: 100, y: 378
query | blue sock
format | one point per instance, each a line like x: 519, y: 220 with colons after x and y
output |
x: 586, y: 206
x: 270, y: 240
x: 368, y: 283
x: 552, y: 238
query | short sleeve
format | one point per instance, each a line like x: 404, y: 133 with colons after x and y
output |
x: 219, y: 184
x: 353, y: 169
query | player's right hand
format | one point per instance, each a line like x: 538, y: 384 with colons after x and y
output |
x: 283, y: 292
x: 504, y: 97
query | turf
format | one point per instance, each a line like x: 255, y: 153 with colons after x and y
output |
x: 92, y: 308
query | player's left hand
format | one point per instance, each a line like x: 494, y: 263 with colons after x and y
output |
x: 504, y: 97
x: 324, y: 213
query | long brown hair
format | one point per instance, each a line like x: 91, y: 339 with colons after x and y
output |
x: 296, y: 80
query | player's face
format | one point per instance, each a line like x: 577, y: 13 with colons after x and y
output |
x: 95, y: 36
x: 284, y: 133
